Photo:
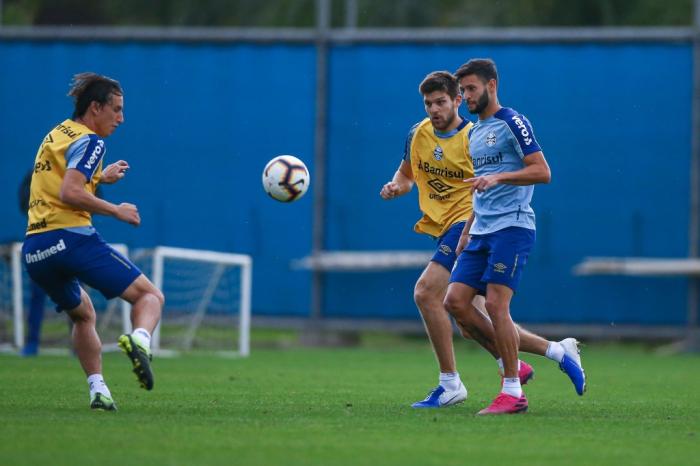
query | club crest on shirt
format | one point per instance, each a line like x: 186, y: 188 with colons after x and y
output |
x: 491, y: 139
x: 437, y: 153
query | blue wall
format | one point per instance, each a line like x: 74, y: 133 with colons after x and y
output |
x: 202, y: 120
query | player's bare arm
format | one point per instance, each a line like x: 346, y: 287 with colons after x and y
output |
x: 400, y: 184
x: 73, y: 193
x: 114, y: 172
x: 536, y: 171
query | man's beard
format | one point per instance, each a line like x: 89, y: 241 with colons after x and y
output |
x: 481, y: 104
x: 448, y: 121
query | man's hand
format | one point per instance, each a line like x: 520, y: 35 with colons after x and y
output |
x: 482, y: 183
x: 390, y: 190
x: 461, y: 244
x: 114, y: 172
x: 128, y: 213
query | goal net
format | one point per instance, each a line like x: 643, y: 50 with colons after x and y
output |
x: 207, y: 299
x: 207, y: 302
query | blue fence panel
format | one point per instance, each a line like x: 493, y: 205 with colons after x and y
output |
x: 614, y: 120
x: 202, y: 120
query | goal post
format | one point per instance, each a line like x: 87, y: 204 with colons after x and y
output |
x: 210, y: 282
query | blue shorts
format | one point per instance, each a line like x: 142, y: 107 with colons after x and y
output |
x: 447, y: 243
x: 497, y: 257
x: 58, y: 260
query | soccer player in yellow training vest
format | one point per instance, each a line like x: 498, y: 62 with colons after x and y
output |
x: 62, y: 248
x: 437, y: 159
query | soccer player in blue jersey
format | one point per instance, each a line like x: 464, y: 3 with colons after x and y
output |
x: 436, y: 159
x: 495, y: 243
x: 62, y: 247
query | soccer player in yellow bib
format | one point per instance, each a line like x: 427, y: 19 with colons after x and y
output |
x: 437, y: 160
x: 62, y: 248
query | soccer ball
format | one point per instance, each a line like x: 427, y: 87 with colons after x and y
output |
x: 285, y: 178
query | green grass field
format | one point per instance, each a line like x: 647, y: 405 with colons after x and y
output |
x: 350, y: 407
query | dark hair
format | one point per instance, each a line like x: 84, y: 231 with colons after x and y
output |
x: 440, y: 81
x: 88, y: 87
x: 484, y: 68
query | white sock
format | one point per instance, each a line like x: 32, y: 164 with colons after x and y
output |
x: 450, y: 380
x: 142, y: 336
x: 97, y: 384
x: 555, y: 351
x: 512, y: 387
x: 500, y: 364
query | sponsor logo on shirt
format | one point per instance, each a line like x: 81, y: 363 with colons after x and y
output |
x: 42, y: 254
x: 523, y: 130
x: 67, y: 131
x: 37, y: 225
x: 95, y: 154
x: 487, y: 160
x: 437, y: 171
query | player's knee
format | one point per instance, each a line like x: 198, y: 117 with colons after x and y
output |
x: 420, y: 294
x: 159, y: 296
x: 83, y: 314
x: 495, y: 308
x: 453, y: 304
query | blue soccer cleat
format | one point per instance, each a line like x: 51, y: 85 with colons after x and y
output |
x: 571, y: 364
x: 439, y: 397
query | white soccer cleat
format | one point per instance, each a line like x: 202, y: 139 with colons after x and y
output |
x: 439, y: 397
x: 571, y: 364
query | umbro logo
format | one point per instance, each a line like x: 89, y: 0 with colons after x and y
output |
x: 500, y: 267
x: 438, y: 185
x: 445, y: 249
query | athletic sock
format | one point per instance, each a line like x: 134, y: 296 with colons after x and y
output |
x: 511, y: 386
x: 555, y: 351
x: 142, y: 336
x: 450, y: 380
x: 97, y: 384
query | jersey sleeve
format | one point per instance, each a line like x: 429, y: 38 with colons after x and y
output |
x: 85, y: 154
x: 523, y: 134
x: 407, y: 144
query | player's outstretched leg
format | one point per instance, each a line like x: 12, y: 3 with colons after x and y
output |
x: 567, y: 353
x: 146, y: 304
x: 140, y: 356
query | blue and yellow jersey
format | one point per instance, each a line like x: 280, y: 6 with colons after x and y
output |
x: 440, y: 162
x: 68, y: 145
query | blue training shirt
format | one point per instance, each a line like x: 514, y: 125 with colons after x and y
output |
x: 499, y: 144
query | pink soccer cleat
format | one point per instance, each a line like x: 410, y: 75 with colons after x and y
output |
x: 506, y: 404
x: 526, y: 373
